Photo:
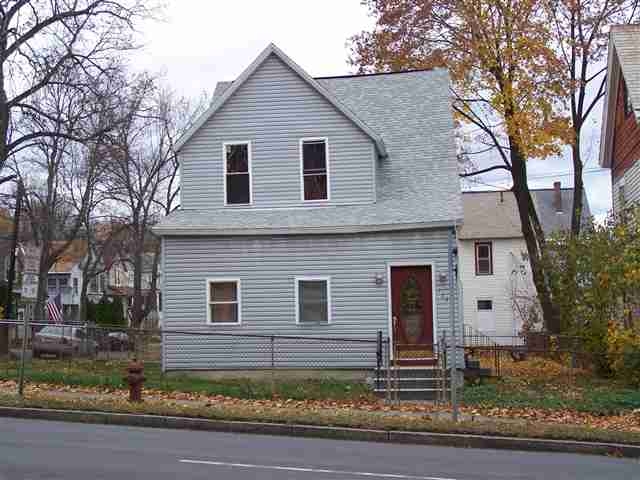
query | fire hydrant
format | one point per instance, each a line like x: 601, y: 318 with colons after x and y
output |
x: 135, y: 379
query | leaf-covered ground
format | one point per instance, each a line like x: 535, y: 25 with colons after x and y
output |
x: 408, y: 417
x: 531, y: 392
x: 547, y: 384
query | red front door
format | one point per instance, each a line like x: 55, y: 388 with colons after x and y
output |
x: 412, y: 306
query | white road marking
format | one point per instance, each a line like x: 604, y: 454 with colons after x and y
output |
x: 313, y: 470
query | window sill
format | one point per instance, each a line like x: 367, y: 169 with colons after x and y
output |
x: 313, y: 324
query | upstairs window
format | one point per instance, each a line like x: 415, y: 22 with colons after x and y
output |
x: 315, y: 171
x: 484, y: 258
x: 237, y: 173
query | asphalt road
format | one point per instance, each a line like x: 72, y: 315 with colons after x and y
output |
x: 34, y: 449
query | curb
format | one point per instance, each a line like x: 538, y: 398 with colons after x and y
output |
x: 338, y: 433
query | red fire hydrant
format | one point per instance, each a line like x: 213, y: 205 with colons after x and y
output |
x: 135, y: 379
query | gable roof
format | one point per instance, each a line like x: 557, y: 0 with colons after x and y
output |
x: 271, y: 49
x: 492, y: 214
x: 71, y: 256
x: 417, y: 184
x: 624, y: 56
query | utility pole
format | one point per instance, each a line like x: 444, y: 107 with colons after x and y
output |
x: 452, y: 317
x: 14, y: 246
x: 8, y: 308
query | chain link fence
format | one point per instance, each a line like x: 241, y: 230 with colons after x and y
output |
x: 77, y: 353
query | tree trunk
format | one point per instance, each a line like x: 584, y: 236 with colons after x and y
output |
x: 83, y: 299
x: 137, y: 313
x: 578, y: 186
x: 39, y: 313
x: 533, y: 236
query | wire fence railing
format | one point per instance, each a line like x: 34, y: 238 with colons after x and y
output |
x: 78, y: 350
x: 95, y: 354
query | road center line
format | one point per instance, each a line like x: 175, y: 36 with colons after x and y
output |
x: 312, y: 470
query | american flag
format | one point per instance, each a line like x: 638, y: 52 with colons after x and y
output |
x: 54, y: 309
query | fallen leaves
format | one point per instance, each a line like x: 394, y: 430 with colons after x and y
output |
x: 627, y: 422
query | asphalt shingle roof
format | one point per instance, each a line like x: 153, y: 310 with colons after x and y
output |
x: 417, y: 183
x: 495, y: 214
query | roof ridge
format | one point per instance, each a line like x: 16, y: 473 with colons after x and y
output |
x: 353, y: 75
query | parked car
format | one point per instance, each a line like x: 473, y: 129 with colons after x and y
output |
x: 118, y: 341
x: 63, y: 341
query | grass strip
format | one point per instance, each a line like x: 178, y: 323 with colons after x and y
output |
x: 328, y: 417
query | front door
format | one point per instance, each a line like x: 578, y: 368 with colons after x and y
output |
x: 412, y: 309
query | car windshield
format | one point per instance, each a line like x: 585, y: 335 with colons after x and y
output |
x: 55, y: 330
x: 51, y: 330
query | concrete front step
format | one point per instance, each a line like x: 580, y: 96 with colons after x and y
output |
x: 412, y: 393
x: 412, y: 383
x: 412, y: 372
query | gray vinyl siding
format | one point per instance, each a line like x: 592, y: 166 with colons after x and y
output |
x: 274, y: 109
x: 266, y: 267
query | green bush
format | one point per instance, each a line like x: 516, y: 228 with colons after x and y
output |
x: 595, y: 280
x: 108, y: 311
x: 623, y: 352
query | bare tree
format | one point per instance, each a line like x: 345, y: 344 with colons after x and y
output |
x: 581, y: 45
x: 143, y: 176
x: 60, y: 174
x: 41, y: 41
x: 105, y: 242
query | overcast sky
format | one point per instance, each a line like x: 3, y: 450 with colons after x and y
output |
x: 202, y: 42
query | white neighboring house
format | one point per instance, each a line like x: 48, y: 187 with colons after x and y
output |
x: 120, y: 283
x: 64, y: 279
x: 495, y: 274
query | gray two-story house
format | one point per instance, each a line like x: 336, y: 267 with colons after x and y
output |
x: 312, y: 207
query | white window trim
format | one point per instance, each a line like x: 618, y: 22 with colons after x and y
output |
x: 485, y: 299
x: 327, y: 162
x: 477, y: 258
x: 297, y: 281
x: 208, y: 281
x: 249, y: 169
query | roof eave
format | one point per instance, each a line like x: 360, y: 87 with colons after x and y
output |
x: 304, y: 230
x: 608, y: 111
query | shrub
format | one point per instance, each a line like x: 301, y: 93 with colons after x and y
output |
x: 623, y: 352
x: 107, y: 312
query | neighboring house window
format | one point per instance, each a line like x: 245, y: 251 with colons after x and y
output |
x: 485, y: 305
x: 159, y: 301
x: 93, y: 285
x: 75, y: 286
x: 484, y: 258
x: 102, y: 282
x: 313, y: 300
x: 628, y: 108
x: 315, y: 169
x: 52, y: 283
x: 486, y: 320
x: 223, y: 301
x: 237, y: 173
